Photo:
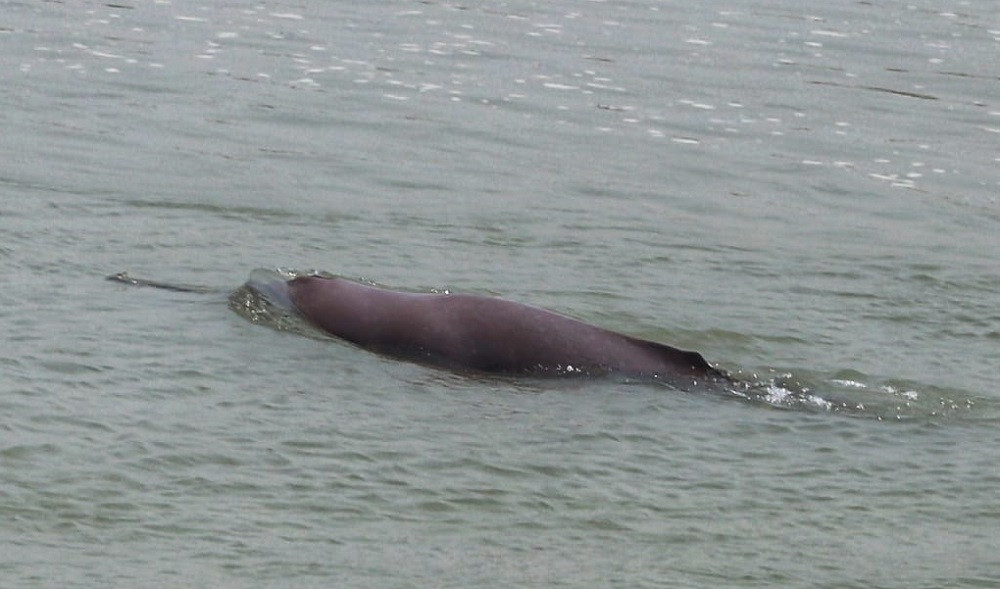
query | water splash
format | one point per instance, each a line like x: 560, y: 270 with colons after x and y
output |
x: 263, y: 299
x: 855, y: 395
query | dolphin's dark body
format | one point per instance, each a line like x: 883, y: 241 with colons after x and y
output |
x: 481, y: 333
x: 463, y: 331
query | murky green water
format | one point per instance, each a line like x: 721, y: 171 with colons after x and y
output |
x: 807, y: 194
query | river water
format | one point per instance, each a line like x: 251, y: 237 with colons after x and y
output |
x: 805, y: 192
